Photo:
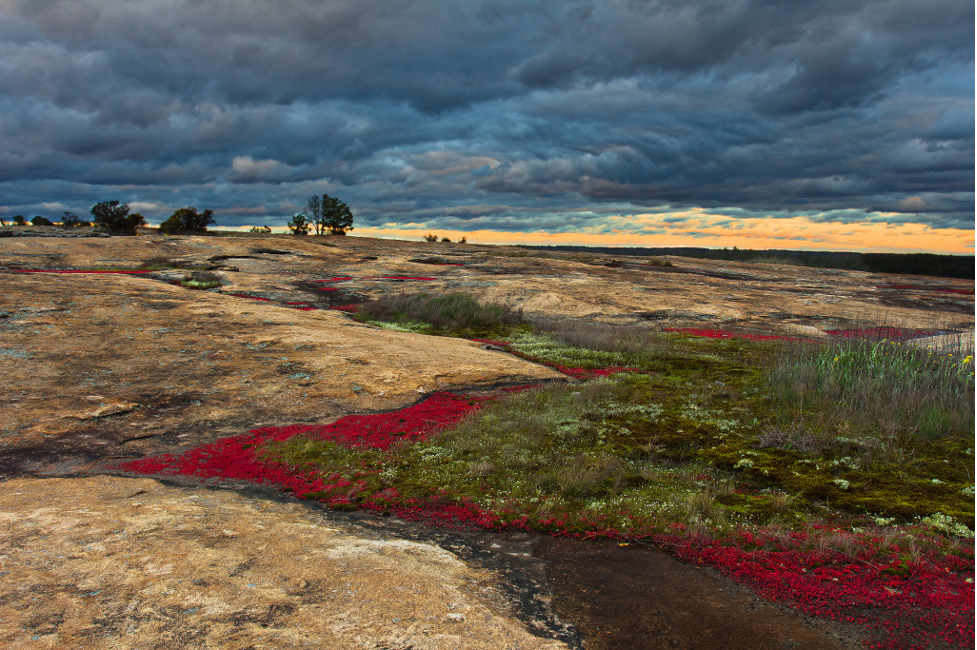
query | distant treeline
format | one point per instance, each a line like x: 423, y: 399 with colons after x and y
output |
x: 946, y: 266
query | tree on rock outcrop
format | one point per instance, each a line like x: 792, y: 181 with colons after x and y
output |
x: 328, y: 213
x: 299, y: 225
x: 187, y: 221
x: 313, y: 213
x: 114, y: 218
x: 337, y: 216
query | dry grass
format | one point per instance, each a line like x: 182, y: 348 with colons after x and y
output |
x: 455, y: 313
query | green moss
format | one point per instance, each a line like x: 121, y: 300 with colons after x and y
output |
x: 193, y: 283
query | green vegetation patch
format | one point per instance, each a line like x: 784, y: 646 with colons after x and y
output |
x: 580, y: 344
x: 709, y: 441
x: 843, y: 473
x: 201, y: 281
x: 454, y: 314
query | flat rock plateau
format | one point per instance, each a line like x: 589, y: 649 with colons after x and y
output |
x: 95, y: 368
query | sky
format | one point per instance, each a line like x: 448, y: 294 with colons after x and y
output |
x: 828, y: 124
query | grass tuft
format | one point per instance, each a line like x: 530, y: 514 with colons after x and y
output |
x: 457, y: 314
x: 201, y: 281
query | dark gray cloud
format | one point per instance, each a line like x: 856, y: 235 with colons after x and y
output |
x: 501, y: 114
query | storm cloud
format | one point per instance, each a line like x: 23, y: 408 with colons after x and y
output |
x: 507, y: 115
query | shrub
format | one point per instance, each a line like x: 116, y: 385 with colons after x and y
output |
x: 19, y: 220
x: 70, y: 220
x: 657, y: 262
x: 114, y: 218
x: 41, y: 221
x: 299, y: 225
x: 261, y: 230
x: 187, y: 221
x: 430, y: 237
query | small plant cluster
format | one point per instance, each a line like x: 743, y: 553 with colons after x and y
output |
x: 431, y: 237
x: 654, y: 261
x: 201, y: 281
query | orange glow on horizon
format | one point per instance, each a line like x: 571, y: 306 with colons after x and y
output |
x: 698, y: 229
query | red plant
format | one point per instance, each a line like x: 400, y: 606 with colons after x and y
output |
x: 907, y: 605
x: 234, y: 457
x: 353, y: 308
x: 587, y: 373
x: 722, y: 334
x: 501, y: 344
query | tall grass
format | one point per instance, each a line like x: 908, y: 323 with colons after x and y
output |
x: 883, y: 395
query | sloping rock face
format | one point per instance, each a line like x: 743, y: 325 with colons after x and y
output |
x: 110, y: 562
x: 116, y: 365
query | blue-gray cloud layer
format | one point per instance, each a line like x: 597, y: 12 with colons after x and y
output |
x: 506, y: 114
